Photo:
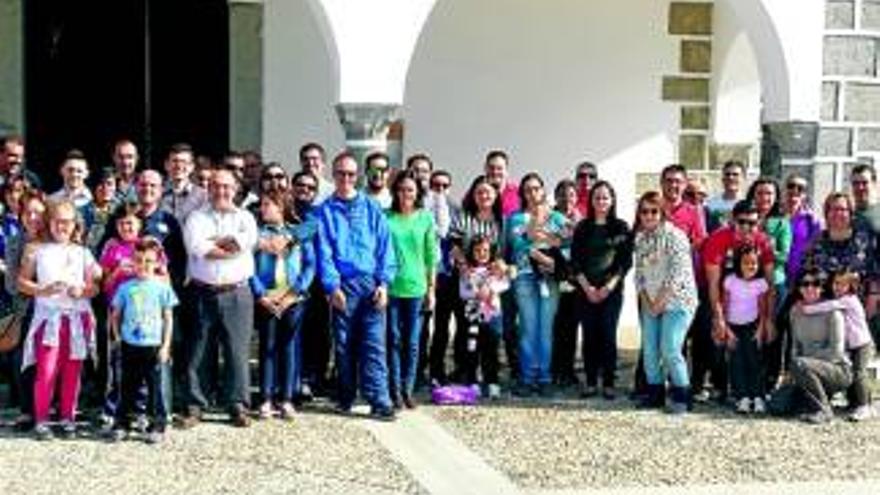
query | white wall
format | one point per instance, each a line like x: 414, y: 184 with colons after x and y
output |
x: 300, y: 85
x: 554, y: 82
x: 736, y: 83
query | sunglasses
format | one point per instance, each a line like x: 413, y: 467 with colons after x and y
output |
x: 309, y: 187
x: 586, y: 175
x: 649, y: 211
x: 278, y: 176
x: 810, y: 283
x: 745, y: 222
x: 731, y: 174
x: 440, y: 185
x: 794, y: 186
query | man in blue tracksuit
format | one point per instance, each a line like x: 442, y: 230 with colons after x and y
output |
x: 356, y: 263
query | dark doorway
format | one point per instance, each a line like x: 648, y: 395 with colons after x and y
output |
x: 98, y: 70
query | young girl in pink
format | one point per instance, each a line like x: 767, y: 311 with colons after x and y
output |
x: 62, y: 276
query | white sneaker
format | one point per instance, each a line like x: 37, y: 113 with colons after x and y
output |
x: 744, y: 405
x: 494, y: 391
x: 861, y: 413
x: 758, y: 405
x: 702, y: 396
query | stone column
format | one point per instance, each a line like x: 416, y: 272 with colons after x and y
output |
x: 790, y: 147
x: 245, y: 74
x: 11, y: 67
x: 366, y: 126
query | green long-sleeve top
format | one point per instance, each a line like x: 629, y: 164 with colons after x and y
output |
x: 415, y: 248
x: 778, y: 229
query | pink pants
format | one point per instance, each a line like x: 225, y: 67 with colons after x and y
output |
x: 55, y: 363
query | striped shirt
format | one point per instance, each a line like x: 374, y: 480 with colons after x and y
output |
x: 465, y: 227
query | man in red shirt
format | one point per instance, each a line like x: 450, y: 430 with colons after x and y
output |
x: 585, y: 177
x: 683, y: 214
x: 718, y: 255
x: 496, y: 170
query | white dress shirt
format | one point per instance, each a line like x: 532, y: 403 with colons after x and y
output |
x: 203, y: 227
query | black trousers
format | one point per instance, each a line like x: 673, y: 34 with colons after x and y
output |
x: 317, y: 338
x: 707, y: 358
x: 448, y: 305
x: 599, y: 322
x: 482, y: 351
x: 141, y: 365
x: 746, y: 369
x: 565, y: 328
x: 228, y: 315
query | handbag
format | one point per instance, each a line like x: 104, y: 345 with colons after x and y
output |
x: 10, y: 331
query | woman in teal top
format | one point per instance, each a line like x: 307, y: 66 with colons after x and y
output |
x: 415, y: 248
x: 765, y: 195
x: 532, y: 235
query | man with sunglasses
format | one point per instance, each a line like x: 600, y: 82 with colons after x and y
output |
x: 356, y: 263
x: 376, y: 165
x: 733, y: 174
x: 585, y: 177
x: 718, y: 252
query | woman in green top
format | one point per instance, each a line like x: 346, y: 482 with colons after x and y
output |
x: 765, y: 195
x: 415, y: 249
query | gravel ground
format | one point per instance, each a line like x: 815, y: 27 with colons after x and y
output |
x: 577, y: 444
x: 317, y: 453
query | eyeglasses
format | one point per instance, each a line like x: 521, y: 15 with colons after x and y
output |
x: 649, y: 211
x: 308, y: 187
x: 859, y: 182
x: 746, y: 222
x: 732, y: 174
x: 794, y: 186
x: 278, y: 176
x: 586, y: 175
x: 810, y: 283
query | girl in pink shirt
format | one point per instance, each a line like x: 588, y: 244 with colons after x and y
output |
x: 745, y: 310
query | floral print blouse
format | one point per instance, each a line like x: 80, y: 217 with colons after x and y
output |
x: 663, y: 259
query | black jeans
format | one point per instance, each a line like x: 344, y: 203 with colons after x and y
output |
x: 599, y: 322
x: 746, y: 373
x: 448, y: 304
x: 228, y: 315
x: 141, y: 365
x: 819, y: 379
x: 317, y: 338
x: 482, y: 351
x: 707, y: 358
x: 565, y: 328
x: 510, y: 331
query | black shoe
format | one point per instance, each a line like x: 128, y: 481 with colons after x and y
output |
x: 386, y: 414
x: 589, y: 391
x: 408, y: 402
x: 654, y: 397
x: 521, y: 390
x: 608, y: 393
x: 396, y: 401
x: 544, y: 390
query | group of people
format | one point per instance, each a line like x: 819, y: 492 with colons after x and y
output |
x: 153, y: 278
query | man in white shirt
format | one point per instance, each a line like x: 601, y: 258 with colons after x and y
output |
x: 220, y: 240
x: 182, y: 196
x: 75, y: 171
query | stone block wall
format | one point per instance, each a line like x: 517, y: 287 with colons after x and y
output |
x: 850, y: 120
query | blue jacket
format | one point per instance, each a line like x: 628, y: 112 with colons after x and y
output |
x: 353, y: 241
x: 299, y: 263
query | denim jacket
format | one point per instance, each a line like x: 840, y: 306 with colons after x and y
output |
x: 299, y: 262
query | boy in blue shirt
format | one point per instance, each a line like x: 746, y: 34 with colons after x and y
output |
x: 141, y: 322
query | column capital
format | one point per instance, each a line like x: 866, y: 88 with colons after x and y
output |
x: 366, y: 126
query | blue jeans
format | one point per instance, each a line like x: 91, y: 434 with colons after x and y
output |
x: 662, y: 339
x: 359, y: 334
x: 536, y: 314
x: 280, y: 351
x: 404, y: 330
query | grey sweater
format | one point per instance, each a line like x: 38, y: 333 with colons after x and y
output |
x: 819, y: 336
